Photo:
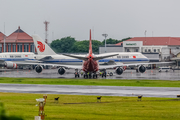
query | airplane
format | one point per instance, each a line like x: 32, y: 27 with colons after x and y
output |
x: 11, y: 60
x: 90, y: 64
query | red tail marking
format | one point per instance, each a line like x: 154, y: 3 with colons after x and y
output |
x: 41, y: 46
x: 134, y: 56
x: 90, y: 44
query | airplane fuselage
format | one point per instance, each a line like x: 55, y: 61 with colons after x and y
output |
x: 17, y: 56
x: 90, y: 65
x: 123, y: 57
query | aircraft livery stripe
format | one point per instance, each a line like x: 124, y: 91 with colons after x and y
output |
x: 15, y: 59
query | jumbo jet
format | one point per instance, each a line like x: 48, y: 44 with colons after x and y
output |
x: 90, y: 61
x: 90, y: 64
x: 11, y: 60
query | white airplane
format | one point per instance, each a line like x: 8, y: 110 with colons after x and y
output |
x: 90, y: 62
x: 12, y: 60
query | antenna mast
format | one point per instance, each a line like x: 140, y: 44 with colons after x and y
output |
x: 46, y: 31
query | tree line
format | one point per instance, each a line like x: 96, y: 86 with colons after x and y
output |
x: 70, y: 45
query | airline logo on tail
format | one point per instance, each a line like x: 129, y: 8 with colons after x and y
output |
x: 41, y: 46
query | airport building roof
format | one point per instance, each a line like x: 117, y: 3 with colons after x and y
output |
x: 1, y: 36
x: 19, y: 36
x: 172, y: 41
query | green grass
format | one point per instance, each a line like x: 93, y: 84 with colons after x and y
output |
x: 101, y: 82
x: 86, y: 107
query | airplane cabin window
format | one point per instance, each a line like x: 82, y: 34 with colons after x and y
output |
x: 118, y: 56
x: 125, y: 56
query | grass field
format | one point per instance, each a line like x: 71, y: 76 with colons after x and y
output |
x: 86, y: 107
x: 101, y: 82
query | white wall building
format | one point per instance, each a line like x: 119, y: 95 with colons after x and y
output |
x: 155, y: 48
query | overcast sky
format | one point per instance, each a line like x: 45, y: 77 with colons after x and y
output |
x: 118, y: 18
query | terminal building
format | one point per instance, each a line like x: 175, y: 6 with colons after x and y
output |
x: 18, y: 41
x: 155, y: 48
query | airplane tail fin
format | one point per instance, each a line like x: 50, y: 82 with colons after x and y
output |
x: 90, y: 44
x: 41, y: 47
x: 90, y: 53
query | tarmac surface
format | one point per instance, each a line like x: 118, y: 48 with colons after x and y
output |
x: 128, y: 74
x: 93, y: 90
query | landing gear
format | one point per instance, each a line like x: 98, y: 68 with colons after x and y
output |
x: 89, y: 75
x: 94, y: 75
x: 76, y: 73
x: 104, y: 74
x: 110, y: 74
x: 85, y: 75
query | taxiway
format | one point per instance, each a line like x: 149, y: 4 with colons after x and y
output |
x: 128, y: 74
x: 92, y: 90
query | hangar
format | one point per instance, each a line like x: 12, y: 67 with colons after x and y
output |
x: 18, y: 41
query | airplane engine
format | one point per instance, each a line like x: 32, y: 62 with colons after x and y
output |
x: 111, y: 62
x: 61, y: 71
x: 141, y: 69
x: 38, y: 68
x: 119, y: 70
x: 10, y: 65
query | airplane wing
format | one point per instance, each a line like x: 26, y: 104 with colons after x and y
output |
x: 85, y: 58
x: 100, y: 66
x: 53, y: 65
x: 104, y: 56
x: 46, y: 58
x: 133, y: 64
x: 75, y: 56
x: 40, y: 60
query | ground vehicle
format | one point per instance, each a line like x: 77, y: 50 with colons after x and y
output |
x: 166, y: 69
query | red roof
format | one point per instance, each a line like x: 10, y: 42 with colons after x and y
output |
x: 1, y: 36
x: 19, y: 36
x: 156, y: 40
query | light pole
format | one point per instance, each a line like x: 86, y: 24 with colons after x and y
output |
x: 4, y: 39
x: 105, y: 35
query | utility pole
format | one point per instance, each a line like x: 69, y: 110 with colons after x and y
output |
x: 4, y: 39
x: 105, y: 35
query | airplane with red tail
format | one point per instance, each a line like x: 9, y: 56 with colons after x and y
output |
x: 90, y: 62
